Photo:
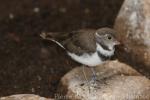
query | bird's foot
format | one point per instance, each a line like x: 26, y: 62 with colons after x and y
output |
x: 94, y: 82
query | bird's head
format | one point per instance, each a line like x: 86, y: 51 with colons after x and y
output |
x: 106, y: 38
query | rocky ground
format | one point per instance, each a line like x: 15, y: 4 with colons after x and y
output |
x: 115, y: 81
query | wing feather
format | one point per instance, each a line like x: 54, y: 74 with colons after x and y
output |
x: 78, y: 42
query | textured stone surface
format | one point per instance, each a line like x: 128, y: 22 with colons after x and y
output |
x: 133, y: 27
x: 117, y: 81
x: 24, y: 97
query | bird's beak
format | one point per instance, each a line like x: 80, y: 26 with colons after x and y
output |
x: 117, y: 42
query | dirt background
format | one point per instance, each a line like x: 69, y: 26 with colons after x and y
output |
x: 30, y: 65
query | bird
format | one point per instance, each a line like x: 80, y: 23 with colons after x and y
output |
x: 89, y: 47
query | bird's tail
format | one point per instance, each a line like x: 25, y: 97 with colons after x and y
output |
x: 49, y: 37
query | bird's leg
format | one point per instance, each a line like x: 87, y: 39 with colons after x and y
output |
x: 84, y: 74
x: 86, y: 78
x: 94, y: 76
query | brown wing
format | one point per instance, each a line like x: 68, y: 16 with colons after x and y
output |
x: 77, y: 42
x: 80, y: 42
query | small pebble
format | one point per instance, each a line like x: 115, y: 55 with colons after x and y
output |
x: 39, y: 78
x: 62, y: 10
x: 87, y: 10
x: 33, y: 90
x: 36, y: 9
x: 11, y: 16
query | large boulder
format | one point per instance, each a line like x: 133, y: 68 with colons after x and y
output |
x: 24, y: 97
x: 117, y: 81
x: 133, y: 30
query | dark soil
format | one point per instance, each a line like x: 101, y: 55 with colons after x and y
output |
x: 27, y: 63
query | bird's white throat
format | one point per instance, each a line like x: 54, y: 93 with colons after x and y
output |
x: 103, y: 51
x: 91, y: 59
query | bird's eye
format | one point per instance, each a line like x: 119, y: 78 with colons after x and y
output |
x: 109, y: 37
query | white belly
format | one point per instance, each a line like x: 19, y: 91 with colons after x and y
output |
x: 86, y: 59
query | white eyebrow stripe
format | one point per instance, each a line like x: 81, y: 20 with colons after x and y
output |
x: 98, y: 34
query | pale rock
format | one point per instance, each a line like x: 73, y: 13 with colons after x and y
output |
x: 117, y: 81
x: 133, y: 30
x: 24, y: 97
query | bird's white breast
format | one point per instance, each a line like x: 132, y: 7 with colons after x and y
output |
x: 92, y: 59
x: 86, y: 59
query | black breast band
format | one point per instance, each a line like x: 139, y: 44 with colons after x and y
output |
x: 103, y: 57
